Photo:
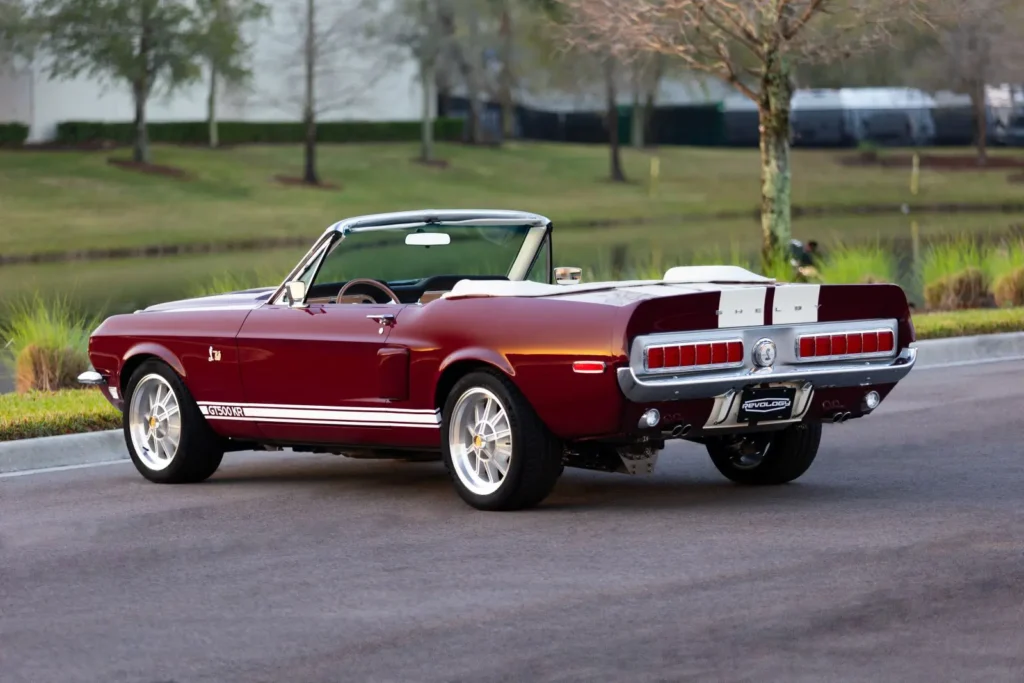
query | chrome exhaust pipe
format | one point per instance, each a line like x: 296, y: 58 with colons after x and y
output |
x: 678, y: 431
x: 840, y: 418
x: 685, y: 430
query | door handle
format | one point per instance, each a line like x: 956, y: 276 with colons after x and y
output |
x: 384, y: 320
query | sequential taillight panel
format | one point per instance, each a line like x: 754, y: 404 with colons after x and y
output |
x: 858, y: 344
x: 695, y: 356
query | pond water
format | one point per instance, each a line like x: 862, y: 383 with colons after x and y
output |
x: 116, y: 286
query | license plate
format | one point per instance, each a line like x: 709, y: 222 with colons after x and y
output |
x: 765, y: 405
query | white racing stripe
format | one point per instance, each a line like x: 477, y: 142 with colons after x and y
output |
x: 324, y: 415
x: 742, y: 307
x: 796, y: 304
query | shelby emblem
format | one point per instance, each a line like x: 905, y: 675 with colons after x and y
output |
x: 764, y: 353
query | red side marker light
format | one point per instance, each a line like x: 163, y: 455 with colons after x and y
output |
x: 588, y: 367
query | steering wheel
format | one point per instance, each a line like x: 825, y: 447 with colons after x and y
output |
x: 373, y: 283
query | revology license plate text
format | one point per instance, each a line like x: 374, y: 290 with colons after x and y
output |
x: 763, y: 405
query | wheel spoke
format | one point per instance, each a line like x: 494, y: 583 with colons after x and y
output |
x: 169, y: 412
x: 501, y: 462
x: 497, y: 436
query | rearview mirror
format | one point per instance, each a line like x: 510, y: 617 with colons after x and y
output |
x: 295, y: 293
x: 567, y: 275
x: 428, y: 239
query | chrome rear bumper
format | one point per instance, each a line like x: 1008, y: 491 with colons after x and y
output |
x: 676, y: 388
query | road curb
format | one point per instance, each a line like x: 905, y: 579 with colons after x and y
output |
x: 967, y: 350
x: 97, y: 447
x: 62, y: 451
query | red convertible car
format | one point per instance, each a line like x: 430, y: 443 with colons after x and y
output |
x: 449, y: 334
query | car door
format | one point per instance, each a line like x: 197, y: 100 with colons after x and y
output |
x: 312, y: 375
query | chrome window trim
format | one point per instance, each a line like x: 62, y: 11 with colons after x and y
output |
x: 693, y: 368
x: 404, y: 220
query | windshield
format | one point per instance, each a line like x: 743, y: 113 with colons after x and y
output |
x: 404, y: 256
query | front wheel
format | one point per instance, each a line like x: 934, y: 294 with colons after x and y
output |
x: 498, y: 452
x: 767, y: 459
x: 168, y: 438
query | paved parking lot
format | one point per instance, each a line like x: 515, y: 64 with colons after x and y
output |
x: 898, y: 557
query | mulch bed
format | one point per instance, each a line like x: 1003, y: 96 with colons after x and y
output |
x: 299, y: 182
x: 152, y: 169
x: 965, y: 162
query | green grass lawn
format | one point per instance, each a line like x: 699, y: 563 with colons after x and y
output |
x: 966, y: 323
x: 57, y: 201
x: 25, y: 416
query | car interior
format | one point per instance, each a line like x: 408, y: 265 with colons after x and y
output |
x: 367, y: 291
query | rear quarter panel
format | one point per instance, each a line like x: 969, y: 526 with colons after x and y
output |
x: 534, y: 342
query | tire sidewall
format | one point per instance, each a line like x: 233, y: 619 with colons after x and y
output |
x: 179, y: 463
x: 507, y: 489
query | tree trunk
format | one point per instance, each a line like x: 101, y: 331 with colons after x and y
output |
x: 508, y: 107
x: 309, y: 174
x: 211, y: 110
x: 980, y: 122
x: 617, y: 174
x: 140, y: 150
x: 776, y: 181
x: 470, y: 72
x: 636, y: 122
x: 427, y: 78
x: 652, y: 94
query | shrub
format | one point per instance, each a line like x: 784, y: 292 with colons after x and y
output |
x: 966, y: 289
x: 1008, y: 290
x: 845, y: 265
x: 13, y: 134
x: 245, y: 132
x: 955, y: 275
x: 46, y: 344
x: 1006, y: 269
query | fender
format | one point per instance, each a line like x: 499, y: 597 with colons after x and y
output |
x: 151, y: 349
x: 478, y: 354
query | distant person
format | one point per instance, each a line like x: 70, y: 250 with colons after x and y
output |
x: 804, y: 255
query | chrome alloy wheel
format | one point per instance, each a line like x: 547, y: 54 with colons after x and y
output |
x: 154, y: 421
x: 480, y: 438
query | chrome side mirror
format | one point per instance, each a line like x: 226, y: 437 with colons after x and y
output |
x: 567, y: 275
x: 295, y: 293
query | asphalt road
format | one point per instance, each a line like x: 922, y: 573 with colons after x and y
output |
x: 898, y: 557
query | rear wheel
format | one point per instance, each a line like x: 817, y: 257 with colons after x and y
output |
x: 168, y: 438
x: 498, y: 452
x: 767, y: 459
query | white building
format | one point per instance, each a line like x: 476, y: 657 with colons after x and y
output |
x: 357, y: 80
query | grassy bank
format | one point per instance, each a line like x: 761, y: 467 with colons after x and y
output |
x: 967, y: 323
x: 59, y: 201
x: 72, y: 411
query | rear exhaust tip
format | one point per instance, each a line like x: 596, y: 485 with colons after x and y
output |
x: 679, y: 431
x: 839, y: 418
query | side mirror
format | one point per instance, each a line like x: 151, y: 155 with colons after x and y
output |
x: 295, y: 293
x: 567, y: 275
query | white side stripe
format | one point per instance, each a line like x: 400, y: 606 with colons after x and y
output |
x: 795, y: 304
x: 742, y: 307
x: 325, y: 415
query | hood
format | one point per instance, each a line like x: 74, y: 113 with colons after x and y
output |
x: 249, y: 298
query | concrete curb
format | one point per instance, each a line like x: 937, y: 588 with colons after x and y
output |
x: 97, y: 447
x: 62, y: 451
x: 967, y: 350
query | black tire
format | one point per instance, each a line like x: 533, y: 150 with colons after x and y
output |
x: 200, y: 450
x: 536, y: 460
x: 789, y: 454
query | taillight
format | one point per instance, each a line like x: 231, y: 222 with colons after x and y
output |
x: 695, y: 355
x: 846, y: 344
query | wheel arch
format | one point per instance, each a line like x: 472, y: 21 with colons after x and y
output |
x: 458, y: 366
x: 139, y: 354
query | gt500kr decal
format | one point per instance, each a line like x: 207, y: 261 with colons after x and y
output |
x: 325, y: 415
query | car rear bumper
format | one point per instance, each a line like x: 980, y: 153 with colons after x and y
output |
x: 657, y: 389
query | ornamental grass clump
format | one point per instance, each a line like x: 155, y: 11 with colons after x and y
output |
x: 955, y: 276
x: 46, y: 344
x: 226, y: 283
x: 853, y: 265
x: 1006, y: 268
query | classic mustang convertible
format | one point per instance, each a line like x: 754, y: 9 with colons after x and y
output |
x: 448, y: 334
